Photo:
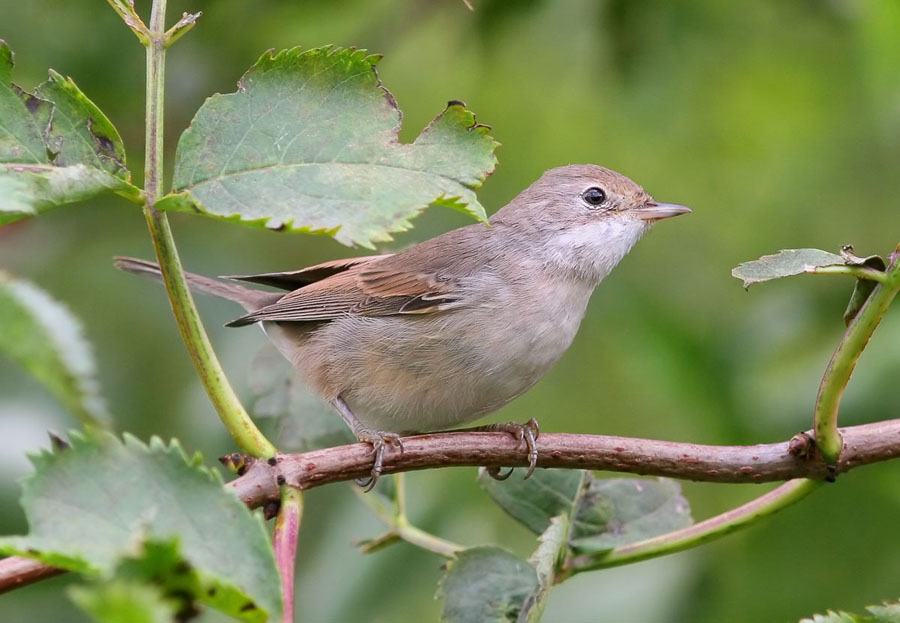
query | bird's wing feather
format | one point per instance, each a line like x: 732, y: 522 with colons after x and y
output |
x: 382, y: 285
x: 291, y: 280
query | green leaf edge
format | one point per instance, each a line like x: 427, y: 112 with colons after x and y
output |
x: 119, y: 184
x: 44, y: 459
x: 88, y: 405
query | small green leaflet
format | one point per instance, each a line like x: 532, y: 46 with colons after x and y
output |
x: 309, y: 143
x: 129, y: 506
x: 550, y: 551
x: 486, y: 584
x: 788, y: 262
x: 785, y: 263
x: 56, y: 147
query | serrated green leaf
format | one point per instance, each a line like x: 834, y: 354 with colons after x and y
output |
x: 103, y: 500
x: 123, y: 601
x: 832, y: 617
x: 616, y: 511
x: 487, y: 585
x: 56, y: 147
x: 45, y: 338
x: 303, y: 421
x: 785, y: 263
x: 885, y: 613
x: 534, y: 501
x: 309, y: 143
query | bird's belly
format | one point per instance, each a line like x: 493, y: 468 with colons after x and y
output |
x: 414, y: 374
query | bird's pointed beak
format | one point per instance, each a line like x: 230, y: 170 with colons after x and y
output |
x: 654, y: 211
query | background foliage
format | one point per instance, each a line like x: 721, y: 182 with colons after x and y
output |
x: 778, y: 122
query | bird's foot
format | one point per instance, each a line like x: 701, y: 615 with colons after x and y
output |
x: 526, y: 434
x: 380, y: 440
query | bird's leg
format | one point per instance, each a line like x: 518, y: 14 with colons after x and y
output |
x: 378, y: 438
x: 526, y: 434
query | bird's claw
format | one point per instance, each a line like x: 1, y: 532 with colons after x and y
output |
x: 494, y: 472
x: 379, y: 440
x: 527, y: 434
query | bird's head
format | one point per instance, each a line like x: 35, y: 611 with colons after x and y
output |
x: 583, y: 219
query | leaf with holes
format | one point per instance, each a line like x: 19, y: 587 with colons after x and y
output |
x: 124, y: 500
x: 309, y: 143
x: 56, y: 147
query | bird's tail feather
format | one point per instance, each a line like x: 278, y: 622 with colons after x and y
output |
x: 250, y: 299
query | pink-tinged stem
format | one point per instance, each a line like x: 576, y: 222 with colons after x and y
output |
x: 287, y: 531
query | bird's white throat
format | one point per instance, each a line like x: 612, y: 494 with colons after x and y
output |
x: 591, y: 251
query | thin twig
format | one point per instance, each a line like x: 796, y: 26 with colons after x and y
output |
x: 868, y: 443
x: 16, y: 572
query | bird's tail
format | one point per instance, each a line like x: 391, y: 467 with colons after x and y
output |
x: 250, y: 299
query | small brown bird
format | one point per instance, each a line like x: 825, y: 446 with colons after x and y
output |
x: 457, y: 326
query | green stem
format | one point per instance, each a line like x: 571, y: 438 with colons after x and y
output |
x: 425, y: 540
x: 692, y: 536
x: 839, y: 369
x: 401, y: 528
x: 860, y: 272
x: 224, y: 399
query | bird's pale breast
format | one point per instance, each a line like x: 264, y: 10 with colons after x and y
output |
x: 417, y: 373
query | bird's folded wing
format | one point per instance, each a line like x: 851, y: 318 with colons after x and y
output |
x: 426, y: 278
x: 360, y: 292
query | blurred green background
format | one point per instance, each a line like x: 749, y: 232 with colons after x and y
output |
x: 777, y: 121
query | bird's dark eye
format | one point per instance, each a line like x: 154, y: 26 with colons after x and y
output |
x: 594, y: 196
